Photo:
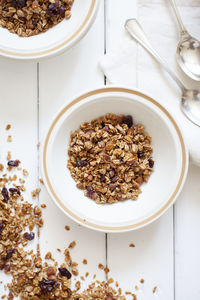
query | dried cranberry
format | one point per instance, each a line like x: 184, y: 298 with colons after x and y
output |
x: 112, y: 173
x: 128, y: 120
x: 46, y: 286
x: 114, y: 179
x: 5, y: 195
x: 14, y: 191
x: 109, y: 298
x: 29, y: 236
x: 10, y: 253
x: 151, y: 163
x: 102, y: 178
x: 81, y: 163
x: 1, y: 227
x: 140, y: 154
x: 19, y: 3
x: 112, y: 186
x: 55, y: 9
x: 90, y: 191
x: 106, y: 128
x: 64, y: 272
x: 13, y: 163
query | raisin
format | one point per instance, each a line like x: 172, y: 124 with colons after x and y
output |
x: 55, y: 9
x: 141, y: 154
x: 151, y: 163
x: 90, y: 191
x: 114, y: 179
x: 13, y: 163
x: 29, y: 236
x: 19, y: 3
x: 9, y: 253
x: 1, y: 227
x: 64, y: 272
x: 46, y: 286
x: 14, y: 191
x: 128, y: 120
x: 5, y: 195
x: 102, y: 178
x: 81, y: 163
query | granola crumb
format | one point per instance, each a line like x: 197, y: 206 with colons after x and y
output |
x: 25, y: 172
x: 43, y: 205
x: 106, y: 270
x: 85, y: 261
x: 41, y: 181
x: 48, y: 255
x: 142, y: 280
x: 100, y: 266
x: 8, y: 126
x: 72, y: 245
x: 58, y: 249
x: 154, y: 289
x: 9, y: 139
x: 35, y: 192
x: 67, y: 227
x: 136, y: 287
x: 132, y: 245
x: 86, y: 274
x: 9, y: 155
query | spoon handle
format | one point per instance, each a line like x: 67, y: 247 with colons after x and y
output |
x: 175, y: 8
x: 136, y: 31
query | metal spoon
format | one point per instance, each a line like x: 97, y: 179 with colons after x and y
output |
x: 190, y: 101
x: 188, y: 49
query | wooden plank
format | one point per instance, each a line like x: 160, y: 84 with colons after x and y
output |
x: 19, y: 108
x: 152, y: 256
x: 61, y: 78
x: 187, y: 245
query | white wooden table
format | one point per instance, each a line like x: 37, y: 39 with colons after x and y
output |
x: 167, y: 252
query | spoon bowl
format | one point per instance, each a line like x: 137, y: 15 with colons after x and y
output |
x: 191, y: 105
x: 190, y: 100
x: 188, y: 50
x: 188, y: 57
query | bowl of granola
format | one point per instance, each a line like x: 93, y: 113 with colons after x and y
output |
x: 38, y: 29
x: 114, y: 159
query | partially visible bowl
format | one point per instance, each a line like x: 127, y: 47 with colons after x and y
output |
x: 164, y: 185
x: 55, y: 40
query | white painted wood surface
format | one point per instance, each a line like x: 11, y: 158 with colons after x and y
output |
x: 166, y: 253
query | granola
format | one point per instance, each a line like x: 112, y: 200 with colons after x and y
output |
x: 31, y: 17
x: 110, y: 158
x: 33, y: 278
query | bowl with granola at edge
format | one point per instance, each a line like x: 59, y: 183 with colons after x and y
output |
x: 32, y: 30
x: 166, y: 148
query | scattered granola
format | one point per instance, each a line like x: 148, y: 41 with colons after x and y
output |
x: 154, y: 289
x: 8, y: 126
x: 72, y: 245
x: 31, y: 17
x: 31, y: 276
x: 35, y: 192
x: 85, y: 261
x: 142, y: 280
x: 132, y: 245
x: 9, y: 139
x: 67, y: 228
x: 110, y: 158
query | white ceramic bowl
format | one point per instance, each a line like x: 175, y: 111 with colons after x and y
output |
x: 55, y: 40
x: 164, y: 185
